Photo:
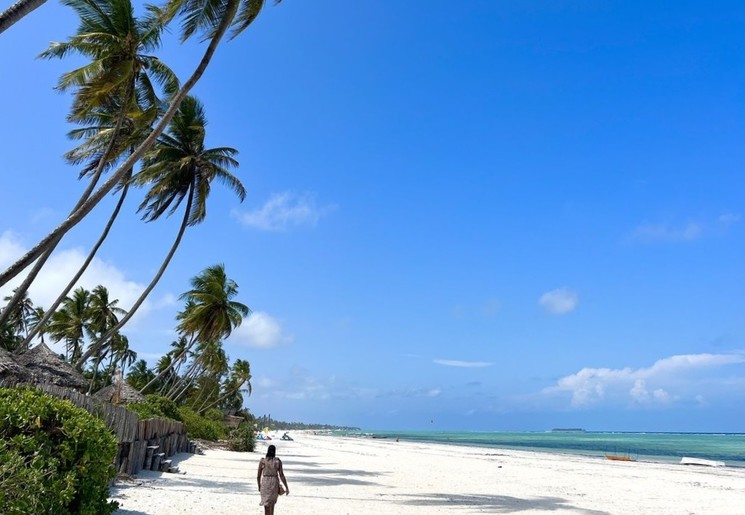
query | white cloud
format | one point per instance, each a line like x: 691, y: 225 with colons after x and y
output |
x: 10, y: 249
x: 283, y: 210
x: 664, y: 233
x: 560, y: 301
x: 729, y: 218
x: 648, y: 385
x: 301, y: 385
x: 490, y: 308
x: 62, y: 266
x: 462, y: 364
x: 260, y: 330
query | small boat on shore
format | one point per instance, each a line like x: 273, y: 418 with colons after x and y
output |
x: 701, y: 462
x: 619, y: 457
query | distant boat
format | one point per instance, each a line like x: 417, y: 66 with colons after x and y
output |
x: 567, y: 430
x: 619, y: 457
x: 698, y: 461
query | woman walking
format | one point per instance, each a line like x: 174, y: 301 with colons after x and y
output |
x: 268, y: 476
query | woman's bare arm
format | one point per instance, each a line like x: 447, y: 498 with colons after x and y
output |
x: 258, y: 474
x: 281, y: 471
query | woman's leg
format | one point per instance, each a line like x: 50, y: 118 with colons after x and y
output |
x: 268, y: 510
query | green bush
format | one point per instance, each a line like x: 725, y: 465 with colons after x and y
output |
x: 214, y: 414
x: 55, y: 458
x: 243, y: 438
x: 200, y: 427
x: 155, y: 406
x: 167, y: 407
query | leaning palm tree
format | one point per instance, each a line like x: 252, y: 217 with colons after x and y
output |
x: 240, y: 375
x: 17, y: 11
x: 207, y: 17
x: 210, y: 314
x: 179, y: 168
x: 97, y: 135
x: 215, y: 366
x: 120, y: 72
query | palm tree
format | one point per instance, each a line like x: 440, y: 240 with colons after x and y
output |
x: 121, y: 355
x: 215, y: 366
x: 97, y: 134
x: 120, y: 73
x: 200, y: 16
x: 210, y: 314
x: 19, y: 317
x: 103, y: 311
x: 103, y: 315
x: 38, y: 324
x: 140, y: 374
x: 178, y: 167
x: 9, y: 340
x: 240, y: 375
x: 71, y: 324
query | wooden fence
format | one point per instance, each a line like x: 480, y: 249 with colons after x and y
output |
x: 143, y: 444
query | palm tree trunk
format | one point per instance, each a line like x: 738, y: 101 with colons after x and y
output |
x: 17, y: 11
x: 50, y: 311
x: 169, y: 367
x: 186, y: 381
x: 49, y: 248
x: 95, y: 346
x: 205, y: 392
x: 95, y: 198
x: 204, y: 408
x: 95, y: 372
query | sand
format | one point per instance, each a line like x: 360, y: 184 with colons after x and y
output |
x: 330, y: 475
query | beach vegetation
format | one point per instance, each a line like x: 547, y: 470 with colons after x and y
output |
x: 156, y: 406
x: 242, y: 438
x: 201, y: 427
x: 54, y: 456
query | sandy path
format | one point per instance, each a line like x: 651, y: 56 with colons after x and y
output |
x: 355, y: 476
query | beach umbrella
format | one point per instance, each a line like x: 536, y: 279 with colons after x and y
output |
x: 46, y: 366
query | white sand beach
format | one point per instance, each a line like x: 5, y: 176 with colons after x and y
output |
x: 330, y: 475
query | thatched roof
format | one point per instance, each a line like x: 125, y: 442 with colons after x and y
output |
x: 127, y: 394
x: 11, y: 372
x: 46, y: 366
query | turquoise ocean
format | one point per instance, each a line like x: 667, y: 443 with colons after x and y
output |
x: 659, y: 447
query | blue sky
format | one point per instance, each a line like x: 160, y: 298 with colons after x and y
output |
x: 489, y: 215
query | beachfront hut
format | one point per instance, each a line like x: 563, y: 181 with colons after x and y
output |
x: 11, y: 372
x: 46, y: 366
x: 126, y: 394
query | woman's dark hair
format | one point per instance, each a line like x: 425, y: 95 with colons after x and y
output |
x: 271, y: 451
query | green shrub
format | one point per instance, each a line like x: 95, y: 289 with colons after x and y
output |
x: 155, y: 406
x: 200, y: 427
x: 55, y: 458
x: 214, y: 414
x: 167, y: 407
x: 243, y: 438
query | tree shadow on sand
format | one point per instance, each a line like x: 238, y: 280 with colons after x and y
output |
x: 497, y: 503
x: 319, y: 474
